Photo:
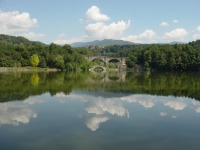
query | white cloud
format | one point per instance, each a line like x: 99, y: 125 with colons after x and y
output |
x: 175, y: 21
x: 14, y: 114
x: 162, y: 114
x: 198, y: 29
x: 32, y: 36
x: 177, y: 34
x: 94, y: 14
x: 62, y: 35
x: 197, y: 35
x: 146, y: 36
x: 164, y: 24
x: 11, y: 22
x: 99, y: 31
x: 93, y: 122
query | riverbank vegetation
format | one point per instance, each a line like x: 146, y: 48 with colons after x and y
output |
x: 20, y: 52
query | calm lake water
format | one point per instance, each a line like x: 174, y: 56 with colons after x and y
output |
x: 99, y: 111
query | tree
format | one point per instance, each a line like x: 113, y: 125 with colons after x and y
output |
x: 34, y: 60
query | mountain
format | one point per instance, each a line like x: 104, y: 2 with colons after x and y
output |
x: 105, y: 42
x: 17, y: 40
x: 175, y: 42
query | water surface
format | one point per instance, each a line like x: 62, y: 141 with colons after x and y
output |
x: 116, y: 110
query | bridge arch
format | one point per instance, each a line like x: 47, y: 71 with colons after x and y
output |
x: 102, y: 62
x: 112, y: 59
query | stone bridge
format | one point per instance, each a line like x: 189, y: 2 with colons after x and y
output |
x: 106, y: 59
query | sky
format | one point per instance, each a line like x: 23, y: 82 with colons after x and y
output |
x: 69, y: 21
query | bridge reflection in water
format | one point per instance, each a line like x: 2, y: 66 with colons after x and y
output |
x: 106, y: 77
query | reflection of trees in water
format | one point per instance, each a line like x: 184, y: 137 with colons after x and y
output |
x: 19, y: 87
x: 16, y: 86
x: 98, y: 76
x: 4, y: 97
x: 34, y: 80
x: 113, y: 75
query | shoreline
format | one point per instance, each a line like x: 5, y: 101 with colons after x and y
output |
x: 12, y: 69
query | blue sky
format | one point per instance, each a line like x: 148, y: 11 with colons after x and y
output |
x: 65, y: 22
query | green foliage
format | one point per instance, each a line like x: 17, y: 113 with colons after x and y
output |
x: 20, y: 52
x: 131, y: 61
x: 42, y: 63
x: 112, y: 65
x: 59, y: 62
x: 17, y: 52
x: 20, y: 41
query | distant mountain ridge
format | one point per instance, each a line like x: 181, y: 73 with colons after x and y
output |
x: 176, y: 42
x: 105, y: 42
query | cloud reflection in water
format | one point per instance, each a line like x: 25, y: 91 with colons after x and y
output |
x: 93, y: 122
x: 99, y: 105
x: 13, y: 114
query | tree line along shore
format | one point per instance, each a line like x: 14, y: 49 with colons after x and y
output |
x: 17, y: 52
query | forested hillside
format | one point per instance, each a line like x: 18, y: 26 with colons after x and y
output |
x: 17, y: 52
x: 12, y: 40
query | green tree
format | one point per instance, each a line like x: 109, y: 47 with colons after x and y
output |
x: 34, y: 60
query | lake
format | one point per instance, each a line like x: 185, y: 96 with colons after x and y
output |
x: 99, y: 111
